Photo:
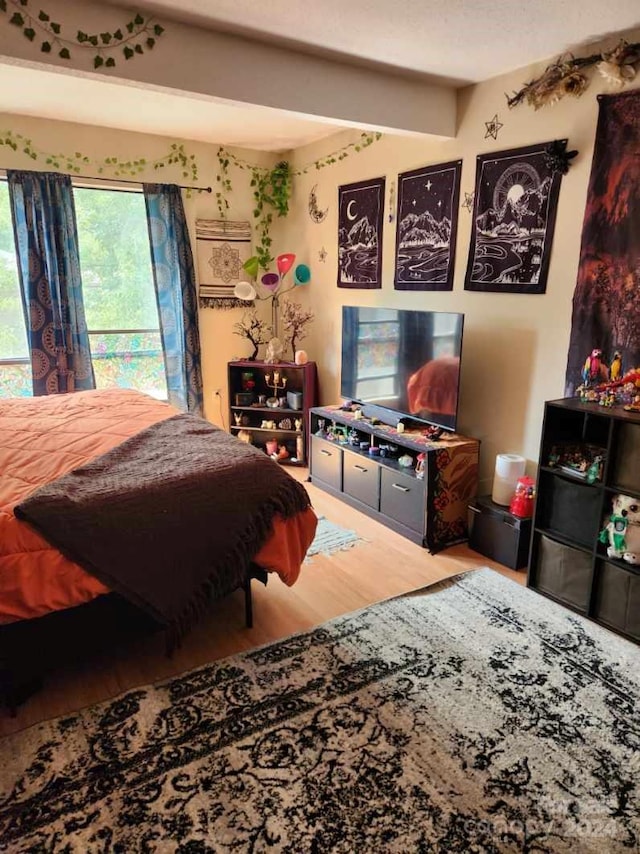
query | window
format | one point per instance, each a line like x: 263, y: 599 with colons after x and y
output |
x: 118, y: 292
x: 15, y: 366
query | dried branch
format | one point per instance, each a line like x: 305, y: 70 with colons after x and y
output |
x: 566, y: 75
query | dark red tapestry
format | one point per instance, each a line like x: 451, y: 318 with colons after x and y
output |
x: 606, y: 301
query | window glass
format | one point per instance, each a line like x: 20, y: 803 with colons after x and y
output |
x: 117, y: 284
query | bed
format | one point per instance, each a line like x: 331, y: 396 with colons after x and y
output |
x: 119, y: 512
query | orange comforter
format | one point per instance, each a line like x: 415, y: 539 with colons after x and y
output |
x: 43, y: 438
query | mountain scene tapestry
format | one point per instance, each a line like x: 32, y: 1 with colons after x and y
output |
x: 606, y: 301
x: 427, y: 227
x: 360, y: 211
x: 516, y: 196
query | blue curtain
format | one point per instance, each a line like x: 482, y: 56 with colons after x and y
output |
x: 176, y: 294
x: 44, y: 224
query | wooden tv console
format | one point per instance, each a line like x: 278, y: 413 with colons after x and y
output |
x: 430, y: 510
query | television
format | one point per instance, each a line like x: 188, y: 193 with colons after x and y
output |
x: 402, y: 364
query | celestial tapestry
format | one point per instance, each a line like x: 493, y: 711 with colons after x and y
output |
x: 427, y: 227
x: 360, y: 213
x: 606, y: 301
x: 222, y: 248
x: 514, y: 215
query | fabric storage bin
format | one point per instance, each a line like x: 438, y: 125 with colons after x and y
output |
x: 564, y: 572
x: 618, y: 599
x: 627, y: 470
x: 573, y: 510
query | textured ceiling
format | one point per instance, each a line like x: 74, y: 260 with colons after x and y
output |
x: 451, y: 41
x: 463, y: 40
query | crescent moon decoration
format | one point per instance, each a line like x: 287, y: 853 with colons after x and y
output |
x: 315, y: 213
x: 351, y: 217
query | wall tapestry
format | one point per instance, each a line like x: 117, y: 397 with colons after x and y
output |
x: 427, y: 227
x: 514, y: 214
x: 360, y: 213
x: 222, y: 249
x: 606, y: 303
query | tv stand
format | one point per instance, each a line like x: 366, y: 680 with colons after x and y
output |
x: 362, y: 464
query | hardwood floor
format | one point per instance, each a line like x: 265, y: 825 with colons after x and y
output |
x: 384, y: 565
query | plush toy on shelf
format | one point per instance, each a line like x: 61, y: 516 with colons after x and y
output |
x: 621, y: 532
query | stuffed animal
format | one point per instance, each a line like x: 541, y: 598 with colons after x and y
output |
x: 621, y: 532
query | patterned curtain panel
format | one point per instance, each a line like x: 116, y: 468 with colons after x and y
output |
x: 44, y: 222
x: 176, y: 294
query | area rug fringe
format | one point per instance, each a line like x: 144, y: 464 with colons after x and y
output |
x: 331, y: 538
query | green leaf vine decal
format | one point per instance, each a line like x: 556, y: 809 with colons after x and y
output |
x: 115, y: 167
x: 135, y: 37
x: 272, y: 187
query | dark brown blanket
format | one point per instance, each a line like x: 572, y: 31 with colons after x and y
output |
x: 171, y: 518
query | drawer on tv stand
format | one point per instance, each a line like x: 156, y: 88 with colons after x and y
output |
x: 326, y: 462
x: 402, y: 497
x: 361, y: 478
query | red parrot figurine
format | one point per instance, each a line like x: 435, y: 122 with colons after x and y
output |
x: 591, y: 372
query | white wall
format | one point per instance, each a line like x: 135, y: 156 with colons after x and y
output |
x: 515, y: 346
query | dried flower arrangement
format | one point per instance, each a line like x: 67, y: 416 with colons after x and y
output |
x: 566, y: 75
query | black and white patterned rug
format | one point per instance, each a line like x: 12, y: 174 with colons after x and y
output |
x: 475, y: 716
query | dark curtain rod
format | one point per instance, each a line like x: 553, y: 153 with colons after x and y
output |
x: 139, y: 183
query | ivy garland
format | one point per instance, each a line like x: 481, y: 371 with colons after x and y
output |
x: 272, y: 187
x: 271, y: 192
x: 135, y: 37
x: 114, y: 166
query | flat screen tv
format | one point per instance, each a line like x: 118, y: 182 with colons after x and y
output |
x: 398, y: 363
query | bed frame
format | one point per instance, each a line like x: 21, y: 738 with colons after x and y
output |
x: 31, y: 649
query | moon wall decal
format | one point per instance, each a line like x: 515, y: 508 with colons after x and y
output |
x: 351, y: 216
x: 317, y: 215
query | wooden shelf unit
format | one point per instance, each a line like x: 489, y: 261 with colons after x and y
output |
x: 302, y: 382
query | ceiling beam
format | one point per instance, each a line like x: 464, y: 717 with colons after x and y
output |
x: 212, y: 65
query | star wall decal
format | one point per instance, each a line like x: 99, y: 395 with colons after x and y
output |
x: 322, y: 255
x: 468, y: 201
x: 493, y: 127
